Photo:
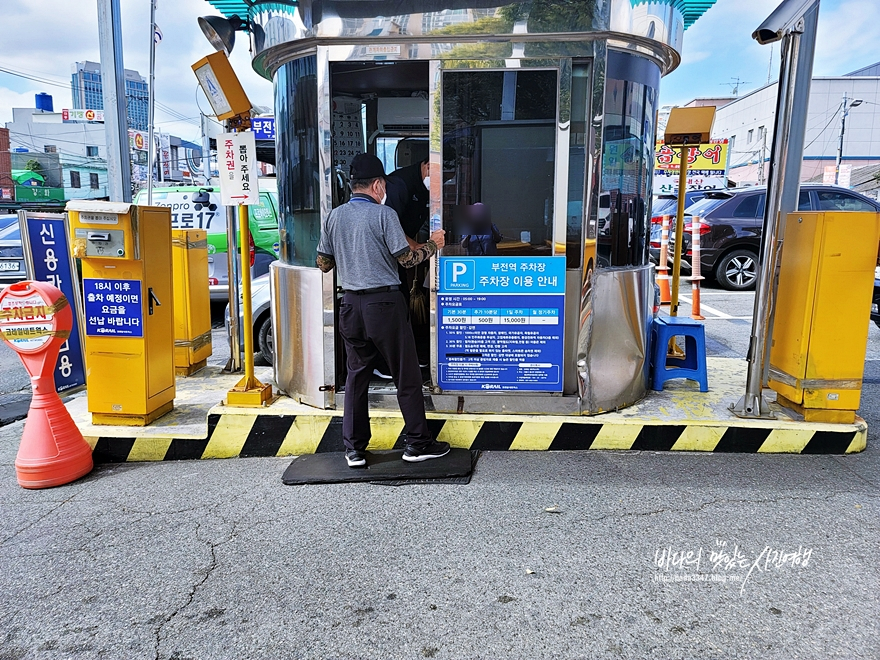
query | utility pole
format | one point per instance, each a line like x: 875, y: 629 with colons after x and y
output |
x: 846, y: 107
x: 115, y: 120
x: 761, y: 177
x: 152, y: 101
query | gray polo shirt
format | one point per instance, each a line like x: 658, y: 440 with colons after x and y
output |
x: 365, y: 239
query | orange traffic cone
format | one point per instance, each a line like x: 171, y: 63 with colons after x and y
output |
x: 35, y: 320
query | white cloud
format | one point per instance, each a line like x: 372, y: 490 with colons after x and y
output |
x: 68, y: 33
x: 848, y: 37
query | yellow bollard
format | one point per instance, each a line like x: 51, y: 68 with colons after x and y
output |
x: 249, y: 392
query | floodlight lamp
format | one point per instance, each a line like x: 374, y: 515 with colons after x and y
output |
x: 221, y: 31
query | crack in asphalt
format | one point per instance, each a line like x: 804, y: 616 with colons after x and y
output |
x: 35, y: 522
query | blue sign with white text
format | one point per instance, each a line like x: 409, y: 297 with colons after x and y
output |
x: 263, y: 128
x: 114, y: 308
x: 500, y: 323
x: 50, y: 260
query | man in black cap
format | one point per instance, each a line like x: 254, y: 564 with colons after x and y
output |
x: 364, y: 241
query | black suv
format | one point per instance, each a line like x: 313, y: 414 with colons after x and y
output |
x: 730, y: 235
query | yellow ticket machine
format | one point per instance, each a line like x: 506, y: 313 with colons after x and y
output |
x: 125, y: 252
x: 820, y: 332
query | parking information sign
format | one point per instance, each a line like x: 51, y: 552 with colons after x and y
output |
x: 49, y: 261
x: 114, y: 308
x: 237, y: 162
x: 501, y: 323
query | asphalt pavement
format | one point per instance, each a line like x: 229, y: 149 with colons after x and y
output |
x: 543, y: 555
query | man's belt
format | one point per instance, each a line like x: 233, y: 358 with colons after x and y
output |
x: 378, y: 289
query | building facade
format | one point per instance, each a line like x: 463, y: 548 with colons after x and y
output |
x: 86, y: 88
x: 748, y: 123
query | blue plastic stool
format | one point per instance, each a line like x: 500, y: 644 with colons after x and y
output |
x: 692, y: 366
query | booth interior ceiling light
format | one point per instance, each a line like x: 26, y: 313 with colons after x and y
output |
x: 690, y: 10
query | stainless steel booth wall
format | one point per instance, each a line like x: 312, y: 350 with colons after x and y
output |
x: 432, y: 29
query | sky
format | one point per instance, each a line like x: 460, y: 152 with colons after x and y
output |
x: 53, y: 34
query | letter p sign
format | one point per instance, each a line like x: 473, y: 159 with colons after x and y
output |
x: 458, y: 274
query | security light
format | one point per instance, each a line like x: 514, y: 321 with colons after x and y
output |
x: 221, y: 31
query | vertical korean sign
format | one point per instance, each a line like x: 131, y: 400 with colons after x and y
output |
x: 237, y: 165
x: 500, y: 323
x: 49, y: 260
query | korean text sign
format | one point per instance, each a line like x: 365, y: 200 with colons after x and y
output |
x: 263, y: 128
x: 237, y: 162
x: 113, y: 308
x: 500, y: 323
x: 50, y: 262
x: 707, y: 167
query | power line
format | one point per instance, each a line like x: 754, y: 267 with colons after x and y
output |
x: 824, y: 129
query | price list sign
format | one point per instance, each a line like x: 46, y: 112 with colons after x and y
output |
x: 500, y: 323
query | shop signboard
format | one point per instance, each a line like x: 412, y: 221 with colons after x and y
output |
x: 707, y: 167
x: 500, y: 323
x: 263, y: 128
x: 70, y: 114
x: 49, y: 260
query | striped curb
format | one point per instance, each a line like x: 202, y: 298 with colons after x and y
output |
x: 236, y: 435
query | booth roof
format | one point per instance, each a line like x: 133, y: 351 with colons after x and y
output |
x: 691, y: 10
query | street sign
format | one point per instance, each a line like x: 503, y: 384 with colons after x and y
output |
x: 263, y: 128
x: 501, y: 323
x: 237, y: 159
x: 49, y: 259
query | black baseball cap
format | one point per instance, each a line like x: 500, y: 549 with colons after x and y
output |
x: 367, y: 166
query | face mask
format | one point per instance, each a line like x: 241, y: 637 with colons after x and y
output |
x: 427, y: 182
x: 384, y: 197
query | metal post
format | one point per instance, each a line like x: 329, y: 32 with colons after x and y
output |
x: 840, y: 143
x: 206, y: 150
x: 113, y: 84
x: 696, y: 269
x: 679, y: 228
x: 752, y: 404
x: 234, y: 363
x: 152, y: 99
x: 247, y: 302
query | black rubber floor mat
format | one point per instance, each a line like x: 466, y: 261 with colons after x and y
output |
x: 386, y: 467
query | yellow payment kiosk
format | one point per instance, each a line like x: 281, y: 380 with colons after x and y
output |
x: 817, y: 357
x: 125, y: 252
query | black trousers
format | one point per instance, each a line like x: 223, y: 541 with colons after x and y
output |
x: 372, y: 325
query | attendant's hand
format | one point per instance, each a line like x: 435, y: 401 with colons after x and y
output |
x: 439, y: 237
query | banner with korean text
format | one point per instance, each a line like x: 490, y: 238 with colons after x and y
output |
x: 708, y: 165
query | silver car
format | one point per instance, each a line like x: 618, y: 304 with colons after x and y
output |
x: 12, y: 266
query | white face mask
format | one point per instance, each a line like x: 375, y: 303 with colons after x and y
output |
x: 427, y: 182
x: 384, y: 197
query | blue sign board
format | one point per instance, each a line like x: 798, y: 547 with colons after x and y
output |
x: 50, y: 262
x: 263, y: 128
x: 501, y: 323
x: 114, y: 308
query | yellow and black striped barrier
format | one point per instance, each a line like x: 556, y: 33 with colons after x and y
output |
x: 241, y: 435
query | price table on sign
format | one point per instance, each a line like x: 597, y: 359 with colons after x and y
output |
x: 501, y: 323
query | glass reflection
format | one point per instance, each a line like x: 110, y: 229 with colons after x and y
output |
x: 499, y: 140
x: 299, y: 183
x: 627, y: 159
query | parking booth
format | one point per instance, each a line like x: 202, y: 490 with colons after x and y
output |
x: 542, y: 114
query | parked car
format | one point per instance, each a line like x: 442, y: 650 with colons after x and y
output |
x: 7, y: 219
x: 12, y: 266
x: 195, y: 207
x: 264, y: 343
x: 875, y: 302
x: 731, y: 227
x: 668, y: 205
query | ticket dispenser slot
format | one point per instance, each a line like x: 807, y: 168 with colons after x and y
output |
x: 125, y: 251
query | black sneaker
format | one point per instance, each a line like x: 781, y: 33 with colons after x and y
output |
x: 433, y: 449
x: 356, y: 458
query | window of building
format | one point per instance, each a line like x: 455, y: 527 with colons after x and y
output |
x: 762, y: 132
x: 93, y: 181
x: 50, y: 148
x: 92, y: 151
x: 750, y: 136
x: 74, y: 179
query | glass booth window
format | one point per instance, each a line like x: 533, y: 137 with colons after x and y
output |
x: 499, y: 139
x: 296, y: 144
x: 627, y: 158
